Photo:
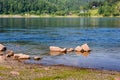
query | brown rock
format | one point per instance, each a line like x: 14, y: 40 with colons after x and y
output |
x: 63, y: 50
x: 2, y: 58
x: 70, y: 49
x: 15, y: 73
x: 79, y: 49
x: 21, y: 56
x: 9, y: 53
x: 46, y: 68
x: 117, y: 78
x: 54, y: 48
x: 2, y: 52
x: 37, y: 58
x: 86, y: 48
x: 1, y: 78
x: 57, y: 49
x: 2, y: 47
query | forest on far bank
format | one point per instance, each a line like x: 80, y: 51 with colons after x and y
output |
x: 61, y: 7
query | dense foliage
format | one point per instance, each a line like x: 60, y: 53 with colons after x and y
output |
x: 61, y: 7
x: 110, y: 8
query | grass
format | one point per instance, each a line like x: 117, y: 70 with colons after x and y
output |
x: 39, y: 72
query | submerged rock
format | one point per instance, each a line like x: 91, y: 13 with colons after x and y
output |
x: 2, y: 48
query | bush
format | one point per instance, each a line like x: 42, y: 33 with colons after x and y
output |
x: 60, y: 13
x: 84, y: 14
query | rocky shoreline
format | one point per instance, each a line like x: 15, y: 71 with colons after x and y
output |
x: 13, y: 68
x: 5, y: 53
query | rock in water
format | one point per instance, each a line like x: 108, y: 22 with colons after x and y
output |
x: 63, y: 50
x: 21, y: 56
x: 79, y: 49
x: 70, y: 49
x: 2, y: 47
x: 86, y: 48
x: 57, y: 49
x: 54, y: 48
x: 37, y: 58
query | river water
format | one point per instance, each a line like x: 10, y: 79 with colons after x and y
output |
x: 34, y: 36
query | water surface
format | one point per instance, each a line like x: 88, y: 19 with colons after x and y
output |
x: 34, y: 36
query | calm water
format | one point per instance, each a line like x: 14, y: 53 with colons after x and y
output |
x: 34, y: 36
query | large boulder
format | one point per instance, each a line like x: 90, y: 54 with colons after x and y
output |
x: 21, y: 56
x: 2, y: 47
x: 86, y: 48
x: 57, y: 49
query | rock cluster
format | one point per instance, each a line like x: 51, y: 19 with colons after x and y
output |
x: 10, y: 53
x: 83, y: 48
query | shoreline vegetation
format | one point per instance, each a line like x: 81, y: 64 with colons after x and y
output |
x: 50, y: 16
x: 66, y: 8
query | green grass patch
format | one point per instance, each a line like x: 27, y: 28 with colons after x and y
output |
x: 3, y: 68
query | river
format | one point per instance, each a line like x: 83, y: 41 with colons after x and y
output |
x: 33, y: 36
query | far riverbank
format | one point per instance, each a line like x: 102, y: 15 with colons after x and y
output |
x: 44, y: 16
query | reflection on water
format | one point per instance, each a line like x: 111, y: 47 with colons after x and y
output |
x: 34, y: 36
x: 83, y: 53
x: 53, y: 53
